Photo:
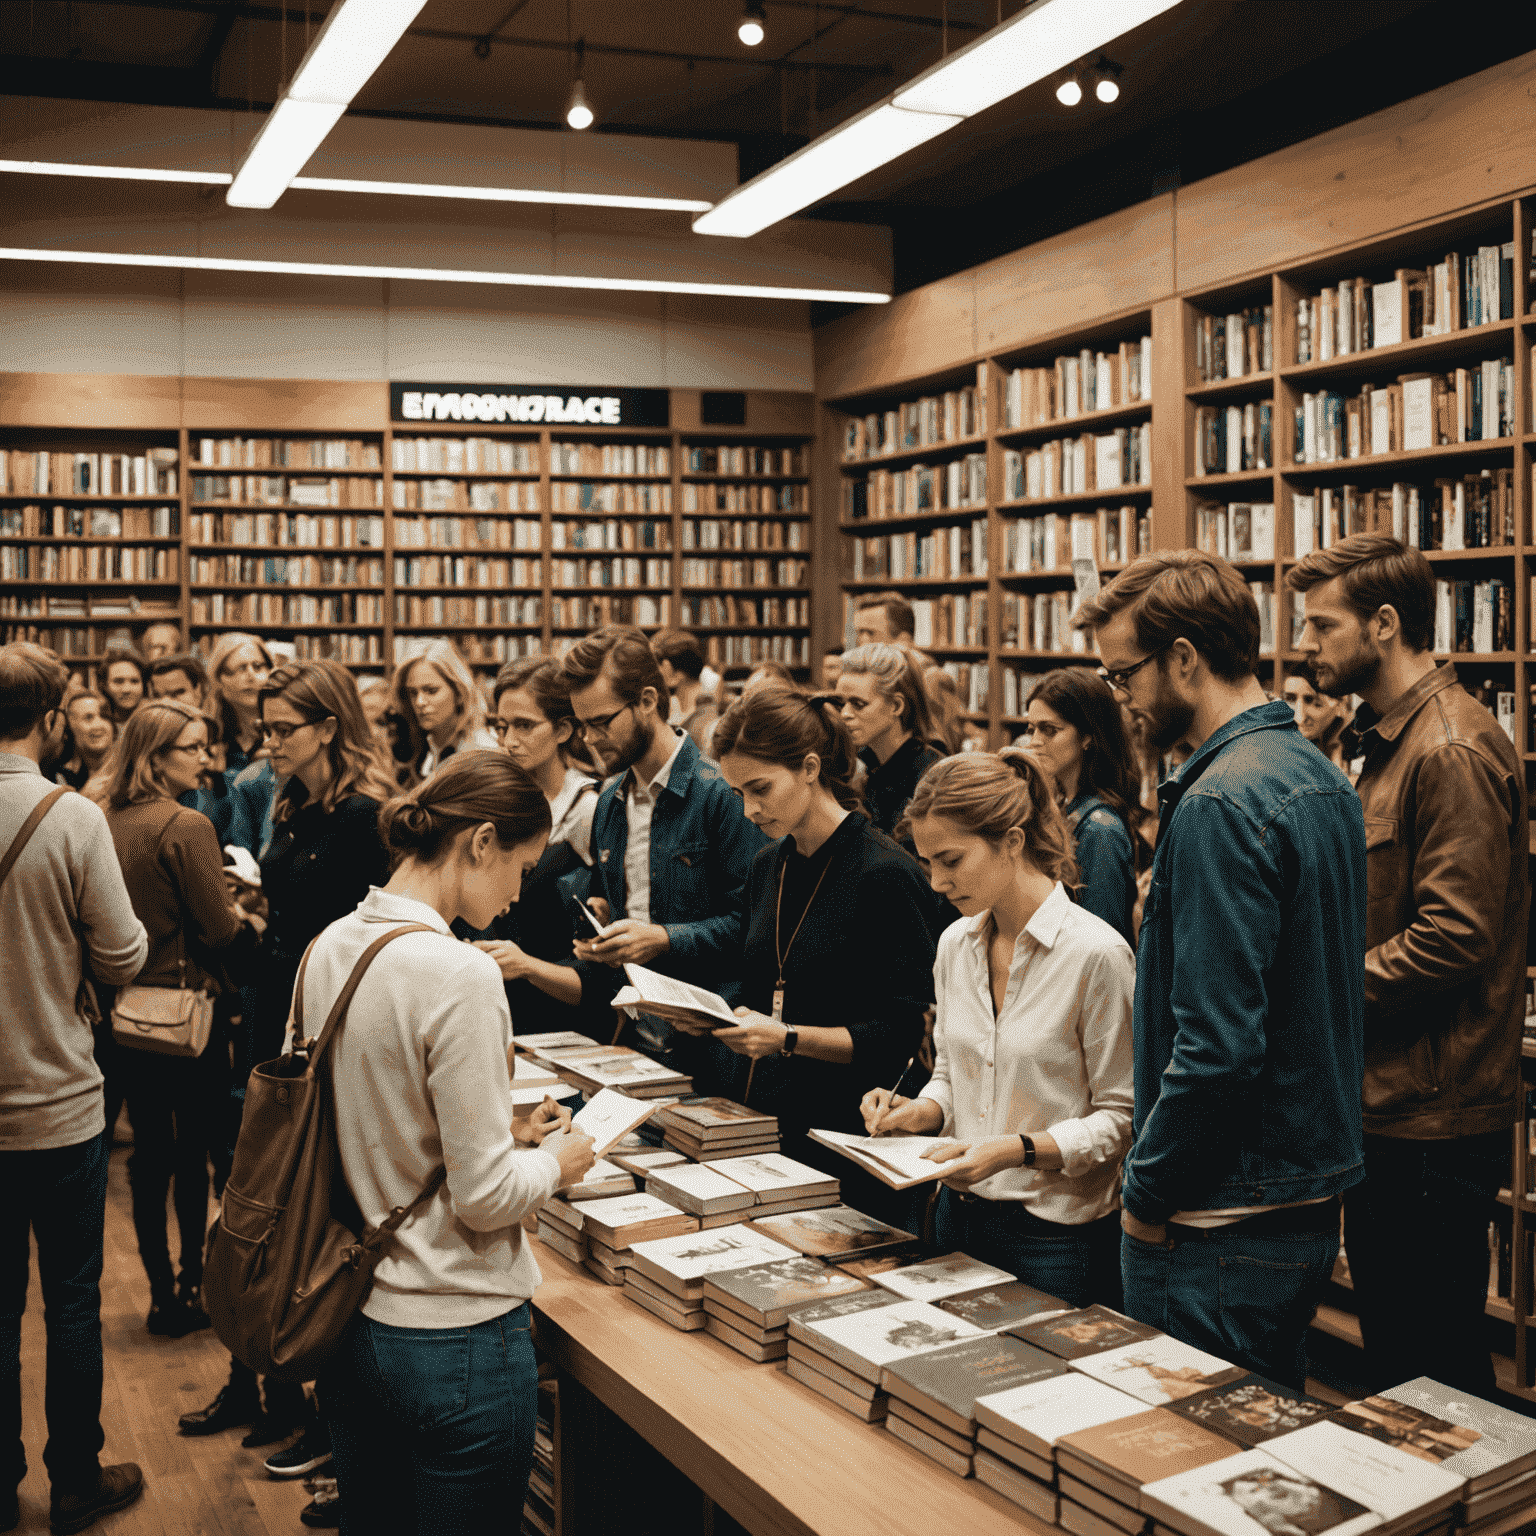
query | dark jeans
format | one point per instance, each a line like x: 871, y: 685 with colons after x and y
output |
x: 432, y: 1428
x: 1079, y: 1264
x: 1246, y: 1297
x: 61, y: 1195
x: 1417, y: 1235
x: 178, y: 1107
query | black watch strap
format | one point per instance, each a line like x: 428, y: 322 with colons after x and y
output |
x: 791, y: 1040
x: 1029, y: 1151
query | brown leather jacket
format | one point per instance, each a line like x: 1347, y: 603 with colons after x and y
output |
x: 1447, y: 849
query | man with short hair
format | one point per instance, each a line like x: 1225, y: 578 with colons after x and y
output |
x: 181, y: 676
x: 681, y: 659
x: 671, y: 849
x: 62, y: 904
x: 831, y: 668
x: 160, y: 640
x: 1322, y: 718
x: 884, y: 620
x: 1248, y: 1015
x: 1443, y: 794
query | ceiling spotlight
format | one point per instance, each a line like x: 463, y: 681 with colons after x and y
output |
x: 577, y: 111
x: 753, y: 27
x: 1070, y: 91
x: 1106, y: 77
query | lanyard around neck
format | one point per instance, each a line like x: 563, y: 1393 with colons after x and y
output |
x: 783, y: 955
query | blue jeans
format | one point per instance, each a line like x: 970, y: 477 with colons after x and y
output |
x: 1245, y: 1297
x: 432, y: 1428
x: 61, y: 1195
x: 1078, y: 1264
x: 1417, y: 1235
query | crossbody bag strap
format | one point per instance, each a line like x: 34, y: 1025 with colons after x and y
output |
x: 338, y: 1014
x: 28, y: 827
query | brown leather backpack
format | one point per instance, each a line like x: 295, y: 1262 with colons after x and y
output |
x: 290, y: 1259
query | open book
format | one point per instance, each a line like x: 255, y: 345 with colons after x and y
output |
x: 668, y: 998
x: 894, y: 1160
x: 608, y: 1117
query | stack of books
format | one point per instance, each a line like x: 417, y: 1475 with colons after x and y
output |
x: 813, y: 1367
x: 839, y: 1234
x: 613, y: 1226
x: 935, y: 1280
x: 592, y: 1067
x: 666, y: 1276
x: 716, y: 1200
x: 562, y: 1227
x: 779, y: 1183
x: 600, y: 1182
x: 641, y: 1160
x: 711, y: 1129
x: 749, y: 1308
x: 933, y: 1395
x: 534, y: 1046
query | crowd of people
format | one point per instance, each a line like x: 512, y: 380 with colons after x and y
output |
x: 1188, y: 978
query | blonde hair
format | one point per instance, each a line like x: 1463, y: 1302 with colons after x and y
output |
x: 898, y: 680
x: 130, y: 774
x: 223, y: 648
x: 988, y: 794
x: 441, y: 656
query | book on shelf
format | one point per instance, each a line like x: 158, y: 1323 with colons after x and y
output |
x: 866, y: 1341
x: 517, y: 534
x: 1040, y: 622
x: 748, y: 650
x: 1473, y: 616
x: 1467, y: 512
x: 744, y: 573
x: 1050, y: 541
x: 612, y: 534
x: 745, y: 459
x: 464, y: 455
x: 1003, y: 1304
x: 1230, y: 439
x: 438, y: 611
x: 89, y: 562
x: 610, y: 459
x: 944, y: 552
x: 257, y: 608
x: 1240, y: 530
x: 587, y: 613
x: 287, y: 453
x: 599, y: 496
x: 953, y: 416
x: 281, y: 571
x: 1232, y: 346
x: 73, y: 522
x: 748, y: 612
x: 1251, y: 1410
x: 933, y: 1280
x: 835, y: 1233
x: 954, y: 618
x: 1077, y: 384
x: 922, y: 488
x: 29, y: 472
x: 288, y: 490
x: 287, y: 530
x: 765, y: 1294
x: 750, y: 534
x: 466, y: 571
x: 462, y: 496
x: 617, y: 571
x: 1069, y: 466
x: 759, y: 500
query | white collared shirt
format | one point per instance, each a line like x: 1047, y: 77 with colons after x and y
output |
x: 639, y: 805
x: 1057, y: 1057
x: 570, y: 813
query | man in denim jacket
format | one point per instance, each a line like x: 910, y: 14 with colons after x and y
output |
x: 1249, y: 1015
x: 671, y: 849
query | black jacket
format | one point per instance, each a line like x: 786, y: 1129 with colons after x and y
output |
x: 890, y: 784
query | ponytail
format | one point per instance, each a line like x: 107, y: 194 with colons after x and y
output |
x: 774, y: 723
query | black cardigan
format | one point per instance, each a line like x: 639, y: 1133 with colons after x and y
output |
x: 890, y: 784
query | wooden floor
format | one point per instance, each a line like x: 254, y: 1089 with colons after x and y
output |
x: 202, y: 1487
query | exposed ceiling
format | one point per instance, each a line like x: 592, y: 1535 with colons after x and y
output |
x: 1207, y: 86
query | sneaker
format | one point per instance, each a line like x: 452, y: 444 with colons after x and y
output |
x: 116, y: 1488
x: 312, y: 1449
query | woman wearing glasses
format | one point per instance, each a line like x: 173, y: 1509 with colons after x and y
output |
x: 324, y: 855
x: 1077, y: 733
x: 174, y: 873
x: 437, y: 699
x: 238, y: 665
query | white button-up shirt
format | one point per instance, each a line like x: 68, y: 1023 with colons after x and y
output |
x: 639, y: 804
x: 1057, y: 1057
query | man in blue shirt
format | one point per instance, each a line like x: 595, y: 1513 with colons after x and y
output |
x: 1249, y: 1014
x: 671, y: 850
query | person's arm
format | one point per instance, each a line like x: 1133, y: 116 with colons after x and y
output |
x: 557, y: 981
x: 1460, y: 882
x: 1107, y: 863
x: 1225, y: 894
x: 711, y: 944
x: 190, y: 849
x: 116, y: 944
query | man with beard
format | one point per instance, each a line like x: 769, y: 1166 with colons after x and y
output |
x: 1248, y: 1014
x: 670, y: 847
x: 1443, y: 795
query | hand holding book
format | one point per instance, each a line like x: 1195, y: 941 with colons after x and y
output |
x: 625, y: 942
x: 756, y: 1035
x: 549, y: 1116
x: 574, y: 1151
x: 969, y: 1162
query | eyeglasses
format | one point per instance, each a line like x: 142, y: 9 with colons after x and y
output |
x: 601, y: 725
x: 197, y: 749
x: 281, y: 730
x: 505, y: 728
x: 1122, y: 675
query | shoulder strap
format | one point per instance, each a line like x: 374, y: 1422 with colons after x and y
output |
x: 28, y: 827
x: 338, y: 1014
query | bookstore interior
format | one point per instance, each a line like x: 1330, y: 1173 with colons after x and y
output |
x: 432, y: 337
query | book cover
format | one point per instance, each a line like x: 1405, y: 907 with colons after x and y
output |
x: 694, y: 1187
x: 934, y: 1279
x: 771, y: 1175
x: 803, y: 1319
x: 1505, y: 1444
x: 945, y: 1383
x: 1381, y: 1477
x: 1037, y: 1414
x: 611, y: 1219
x: 705, y: 1118
x: 867, y: 1269
x: 833, y: 1231
x: 1159, y: 1370
x: 1143, y: 1448
x: 1011, y: 1304
x: 1088, y: 1331
x: 767, y: 1292
x: 681, y: 1262
x: 1408, y: 1427
x: 1251, y: 1410
x: 867, y: 1341
x: 1253, y: 1494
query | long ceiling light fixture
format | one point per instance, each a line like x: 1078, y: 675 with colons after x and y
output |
x: 357, y: 37
x: 444, y: 275
x: 1042, y: 39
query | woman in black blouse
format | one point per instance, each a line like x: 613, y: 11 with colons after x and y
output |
x: 839, y: 930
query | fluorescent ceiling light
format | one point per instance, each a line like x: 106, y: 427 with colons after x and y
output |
x: 1039, y: 41
x: 355, y: 184
x: 355, y: 40
x: 443, y: 275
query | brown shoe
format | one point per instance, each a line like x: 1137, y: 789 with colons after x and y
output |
x: 74, y: 1509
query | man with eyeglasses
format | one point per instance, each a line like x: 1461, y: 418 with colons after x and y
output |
x: 1249, y: 1013
x: 670, y: 847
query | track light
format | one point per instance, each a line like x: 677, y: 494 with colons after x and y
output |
x: 1106, y: 81
x: 1070, y: 91
x: 577, y: 112
x: 753, y: 27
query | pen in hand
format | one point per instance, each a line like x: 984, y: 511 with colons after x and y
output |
x: 894, y: 1091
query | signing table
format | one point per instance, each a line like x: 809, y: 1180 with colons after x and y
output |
x: 762, y: 1448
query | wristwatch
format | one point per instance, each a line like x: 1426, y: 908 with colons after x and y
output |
x: 791, y: 1040
x: 1029, y: 1151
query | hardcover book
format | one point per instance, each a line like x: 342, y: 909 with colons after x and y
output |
x: 693, y: 1187
x: 869, y: 1411
x: 867, y: 1269
x: 1251, y: 1410
x: 834, y: 1372
x: 771, y: 1176
x: 934, y: 1279
x: 1031, y: 1495
x: 608, y: 1117
x: 899, y: 1408
x: 1038, y: 1414
x: 866, y: 1342
x: 934, y: 1450
x: 754, y: 1348
x: 833, y: 1231
x: 767, y: 1293
x: 1254, y: 1494
x: 1089, y: 1331
x: 1159, y: 1370
x: 745, y: 1325
x: 1016, y: 1456
x: 1505, y: 1445
x: 601, y: 1181
x: 1119, y: 1456
x: 717, y: 1119
x: 1009, y: 1305
x: 1381, y: 1477
x: 803, y: 1319
x: 640, y: 1163
x: 680, y: 1263
x: 945, y: 1383
x: 624, y: 1219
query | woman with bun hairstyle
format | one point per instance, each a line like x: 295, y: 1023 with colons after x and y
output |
x: 436, y: 697
x: 836, y: 968
x: 886, y: 711
x: 1032, y: 1078
x: 432, y: 1396
x: 1077, y: 733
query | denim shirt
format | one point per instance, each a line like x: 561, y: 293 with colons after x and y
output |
x: 1250, y: 979
x: 701, y: 854
x: 1106, y: 860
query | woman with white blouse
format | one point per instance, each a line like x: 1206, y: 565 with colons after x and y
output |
x: 1033, y: 1035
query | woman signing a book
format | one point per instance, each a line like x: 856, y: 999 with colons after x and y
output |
x: 837, y: 963
x: 1033, y: 1036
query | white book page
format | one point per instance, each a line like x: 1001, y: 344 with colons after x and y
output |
x: 607, y: 1117
x: 1381, y: 1477
x: 698, y: 1179
x: 900, y: 1157
x: 770, y: 1172
x: 666, y: 991
x: 1253, y: 1494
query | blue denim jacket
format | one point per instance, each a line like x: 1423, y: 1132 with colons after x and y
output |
x: 1250, y: 979
x: 701, y: 854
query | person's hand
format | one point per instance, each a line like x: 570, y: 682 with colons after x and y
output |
x: 926, y: 1057
x: 510, y: 960
x: 600, y: 909
x: 756, y: 1036
x: 628, y: 943
x: 1143, y: 1233
x: 969, y: 1162
x: 546, y: 1119
x: 572, y: 1150
x: 883, y: 1114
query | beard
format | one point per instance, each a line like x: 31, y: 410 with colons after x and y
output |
x: 634, y: 746
x: 1168, y: 716
x: 1354, y: 673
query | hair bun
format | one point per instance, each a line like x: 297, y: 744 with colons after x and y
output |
x: 415, y: 818
x: 1020, y: 762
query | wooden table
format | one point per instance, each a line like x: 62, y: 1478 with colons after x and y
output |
x: 775, y: 1456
